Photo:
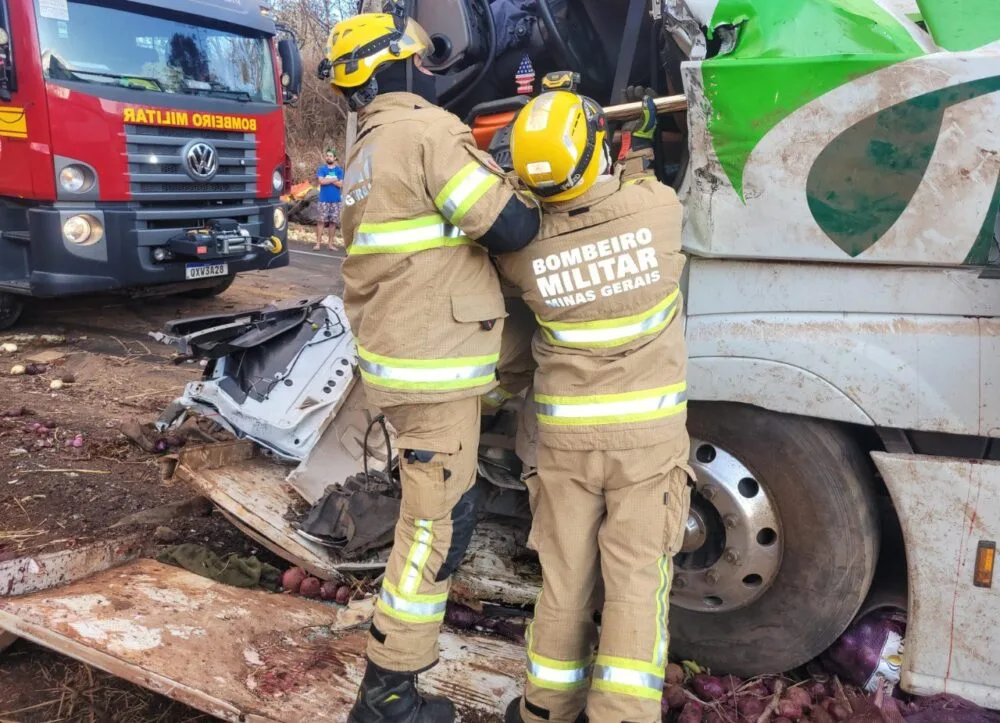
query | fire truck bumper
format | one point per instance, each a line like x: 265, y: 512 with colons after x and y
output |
x: 131, y: 249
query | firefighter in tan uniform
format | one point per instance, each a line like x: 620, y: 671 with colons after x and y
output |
x: 611, y: 497
x: 422, y: 210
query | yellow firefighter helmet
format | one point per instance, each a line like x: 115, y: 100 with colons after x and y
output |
x: 362, y: 44
x: 557, y: 144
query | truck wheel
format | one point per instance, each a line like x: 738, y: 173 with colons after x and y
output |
x: 207, y: 292
x: 781, y: 544
x: 11, y: 306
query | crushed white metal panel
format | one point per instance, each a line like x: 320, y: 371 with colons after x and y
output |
x: 946, y: 507
x: 303, y: 394
x: 41, y: 571
x: 907, y: 372
x: 242, y: 655
x: 339, y: 452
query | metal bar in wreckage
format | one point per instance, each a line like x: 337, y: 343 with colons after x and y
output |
x: 631, y: 111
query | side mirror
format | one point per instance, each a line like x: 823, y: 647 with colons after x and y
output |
x: 6, y: 75
x: 291, y: 69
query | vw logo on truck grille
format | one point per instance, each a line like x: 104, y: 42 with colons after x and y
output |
x: 200, y: 160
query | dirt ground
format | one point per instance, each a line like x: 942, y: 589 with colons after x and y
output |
x: 55, y: 495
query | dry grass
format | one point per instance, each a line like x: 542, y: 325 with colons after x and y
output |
x: 18, y: 538
x: 67, y: 691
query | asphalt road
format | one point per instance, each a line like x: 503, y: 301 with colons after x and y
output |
x: 108, y: 320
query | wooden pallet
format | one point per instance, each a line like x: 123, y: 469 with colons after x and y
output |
x: 242, y: 655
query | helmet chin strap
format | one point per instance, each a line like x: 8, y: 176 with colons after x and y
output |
x: 605, y: 168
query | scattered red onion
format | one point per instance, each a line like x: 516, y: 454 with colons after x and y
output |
x: 292, y: 579
x: 310, y: 587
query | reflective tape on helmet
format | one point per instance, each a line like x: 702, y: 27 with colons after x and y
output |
x: 411, y: 608
x: 625, y: 676
x: 427, y: 374
x: 496, y: 397
x: 404, y: 237
x: 463, y: 191
x: 612, y: 408
x: 612, y: 332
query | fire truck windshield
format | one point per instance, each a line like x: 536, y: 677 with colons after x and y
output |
x: 96, y: 44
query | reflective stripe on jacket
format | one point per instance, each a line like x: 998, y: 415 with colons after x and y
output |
x: 603, y: 281
x: 422, y: 298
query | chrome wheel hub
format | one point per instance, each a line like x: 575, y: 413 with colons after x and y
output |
x: 732, y: 541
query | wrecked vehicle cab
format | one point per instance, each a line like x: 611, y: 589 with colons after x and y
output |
x: 274, y: 376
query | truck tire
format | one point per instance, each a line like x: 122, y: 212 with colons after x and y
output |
x: 11, y: 306
x: 817, y: 483
x: 207, y: 292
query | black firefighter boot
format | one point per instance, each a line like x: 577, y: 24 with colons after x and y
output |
x: 388, y: 697
x: 513, y: 714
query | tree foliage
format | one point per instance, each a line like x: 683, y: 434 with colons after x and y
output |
x: 319, y: 119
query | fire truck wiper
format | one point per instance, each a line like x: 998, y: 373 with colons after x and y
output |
x: 240, y: 95
x: 140, y: 80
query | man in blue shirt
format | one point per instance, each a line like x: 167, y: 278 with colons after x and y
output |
x: 331, y: 178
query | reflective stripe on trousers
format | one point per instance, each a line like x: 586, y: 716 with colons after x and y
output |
x: 402, y: 237
x: 612, y: 408
x: 612, y: 332
x: 662, y: 610
x: 463, y: 191
x: 411, y: 608
x: 403, y: 602
x: 427, y: 374
x: 628, y: 677
x: 555, y: 674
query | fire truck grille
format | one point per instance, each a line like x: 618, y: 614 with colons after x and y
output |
x: 158, y: 171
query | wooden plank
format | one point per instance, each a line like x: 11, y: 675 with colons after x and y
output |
x: 498, y: 569
x: 254, y: 493
x: 41, y: 571
x: 6, y: 640
x: 242, y: 655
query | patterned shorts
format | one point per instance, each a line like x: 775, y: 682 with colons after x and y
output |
x: 329, y: 213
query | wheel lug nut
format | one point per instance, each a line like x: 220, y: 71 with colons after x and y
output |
x: 731, y: 555
x: 730, y: 521
x: 712, y: 577
x: 680, y: 582
x: 708, y: 492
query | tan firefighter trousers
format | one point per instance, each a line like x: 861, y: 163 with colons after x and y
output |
x: 617, y: 516
x: 438, y: 447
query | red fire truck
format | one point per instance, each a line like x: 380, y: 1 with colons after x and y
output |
x: 142, y: 146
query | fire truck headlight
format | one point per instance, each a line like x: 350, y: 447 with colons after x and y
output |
x: 277, y: 180
x: 279, y: 218
x: 83, y: 230
x: 75, y: 179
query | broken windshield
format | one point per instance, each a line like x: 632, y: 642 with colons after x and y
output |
x: 91, y: 43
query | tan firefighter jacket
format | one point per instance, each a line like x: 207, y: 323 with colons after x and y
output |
x: 423, y: 299
x: 603, y: 280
